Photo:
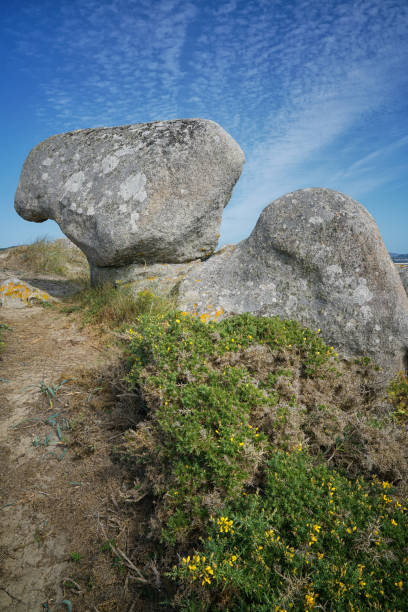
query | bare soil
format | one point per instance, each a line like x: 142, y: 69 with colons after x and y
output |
x: 70, y: 532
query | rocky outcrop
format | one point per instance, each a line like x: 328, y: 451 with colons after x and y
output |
x: 316, y: 256
x: 135, y: 194
x: 144, y: 202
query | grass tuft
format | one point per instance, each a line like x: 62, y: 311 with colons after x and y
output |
x: 57, y: 257
x: 113, y: 306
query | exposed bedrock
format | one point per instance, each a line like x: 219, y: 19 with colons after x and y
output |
x: 145, y: 193
x: 316, y: 256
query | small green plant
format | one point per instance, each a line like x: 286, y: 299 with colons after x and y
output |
x: 107, y: 546
x: 2, y: 343
x: 76, y: 557
x: 398, y: 395
x: 50, y: 391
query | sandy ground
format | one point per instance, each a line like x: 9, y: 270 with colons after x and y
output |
x: 61, y: 494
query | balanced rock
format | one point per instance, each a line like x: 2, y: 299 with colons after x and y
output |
x: 151, y: 192
x: 316, y: 256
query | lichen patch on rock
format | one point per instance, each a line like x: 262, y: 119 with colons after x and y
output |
x: 15, y: 293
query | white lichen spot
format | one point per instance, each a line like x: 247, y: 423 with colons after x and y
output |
x: 134, y: 187
x: 134, y: 216
x: 74, y: 183
x: 91, y: 210
x: 361, y: 294
x: 366, y: 312
x: 109, y: 163
x: 44, y: 176
x: 126, y: 151
x: 47, y: 162
x: 333, y: 272
x: 315, y: 220
x: 73, y: 206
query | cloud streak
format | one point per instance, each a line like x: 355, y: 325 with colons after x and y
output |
x: 298, y: 84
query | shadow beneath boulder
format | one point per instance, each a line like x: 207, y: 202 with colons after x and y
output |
x: 55, y: 288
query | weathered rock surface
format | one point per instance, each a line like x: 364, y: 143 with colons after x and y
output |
x: 403, y: 272
x: 151, y: 192
x: 15, y: 293
x: 316, y: 256
x: 161, y: 278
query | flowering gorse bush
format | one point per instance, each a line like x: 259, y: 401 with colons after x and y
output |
x: 247, y: 515
x: 310, y: 537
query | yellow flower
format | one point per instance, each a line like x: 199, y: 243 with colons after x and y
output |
x: 310, y: 600
x: 394, y: 522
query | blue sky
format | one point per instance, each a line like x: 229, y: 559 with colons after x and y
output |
x: 314, y: 91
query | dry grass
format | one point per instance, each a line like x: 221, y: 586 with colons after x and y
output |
x: 344, y: 417
x: 109, y: 306
x: 57, y: 258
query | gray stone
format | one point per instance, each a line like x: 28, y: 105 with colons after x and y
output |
x: 403, y: 272
x: 16, y: 293
x: 151, y: 192
x: 316, y: 256
x: 160, y: 278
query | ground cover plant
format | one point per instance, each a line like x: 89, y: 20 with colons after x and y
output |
x: 2, y: 327
x: 112, y: 306
x: 398, y: 394
x: 278, y: 471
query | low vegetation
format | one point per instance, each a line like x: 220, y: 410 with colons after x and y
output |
x: 109, y: 306
x: 3, y: 326
x: 275, y: 472
x: 271, y: 474
x: 398, y: 395
x: 278, y: 472
x: 58, y: 257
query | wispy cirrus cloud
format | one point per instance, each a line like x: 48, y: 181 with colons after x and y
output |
x: 306, y: 87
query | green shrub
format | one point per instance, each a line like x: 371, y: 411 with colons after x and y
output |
x: 312, y: 537
x: 398, y: 394
x: 237, y: 420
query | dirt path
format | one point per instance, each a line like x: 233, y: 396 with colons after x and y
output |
x: 58, y: 483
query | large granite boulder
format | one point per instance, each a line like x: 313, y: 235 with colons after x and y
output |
x: 316, y: 256
x: 151, y: 192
